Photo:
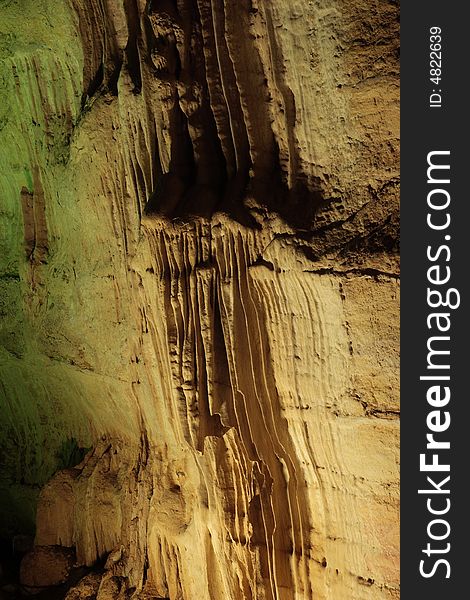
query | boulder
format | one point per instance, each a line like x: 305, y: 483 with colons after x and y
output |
x: 45, y: 566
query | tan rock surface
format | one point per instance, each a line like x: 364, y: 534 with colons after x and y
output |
x: 199, y: 282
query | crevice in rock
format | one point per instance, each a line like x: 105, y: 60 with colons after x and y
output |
x: 132, y: 48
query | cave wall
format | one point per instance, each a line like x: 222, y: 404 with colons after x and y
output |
x: 199, y: 282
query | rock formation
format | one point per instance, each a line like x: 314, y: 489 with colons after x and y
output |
x: 199, y: 295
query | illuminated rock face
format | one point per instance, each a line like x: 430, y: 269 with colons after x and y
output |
x: 199, y: 283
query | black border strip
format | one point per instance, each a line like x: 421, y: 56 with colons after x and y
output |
x: 425, y: 128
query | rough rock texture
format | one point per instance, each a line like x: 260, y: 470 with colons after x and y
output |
x: 86, y: 589
x: 198, y: 282
x: 45, y: 566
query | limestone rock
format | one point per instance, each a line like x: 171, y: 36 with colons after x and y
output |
x: 199, y: 285
x: 56, y: 504
x: 86, y: 589
x: 112, y: 588
x: 45, y: 566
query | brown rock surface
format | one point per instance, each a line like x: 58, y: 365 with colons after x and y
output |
x: 45, y: 566
x: 86, y: 589
x: 199, y: 281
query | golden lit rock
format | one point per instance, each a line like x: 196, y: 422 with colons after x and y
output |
x: 199, y: 295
